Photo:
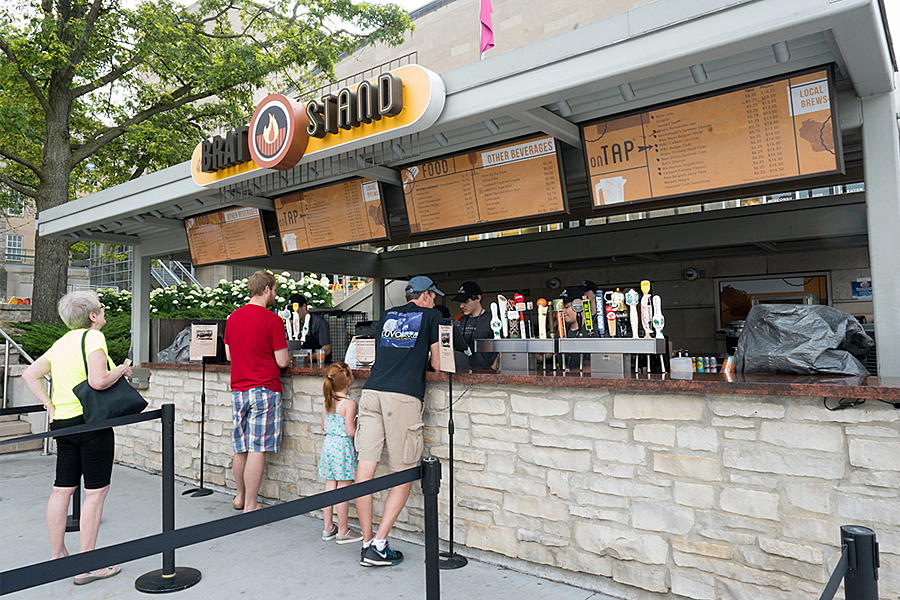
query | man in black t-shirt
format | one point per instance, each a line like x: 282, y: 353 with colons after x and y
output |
x: 390, y: 409
x: 475, y: 324
x: 574, y: 327
x: 319, y: 334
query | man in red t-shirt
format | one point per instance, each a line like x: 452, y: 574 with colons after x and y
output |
x: 256, y: 346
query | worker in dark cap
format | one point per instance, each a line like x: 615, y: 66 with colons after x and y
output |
x: 475, y: 324
x: 571, y: 297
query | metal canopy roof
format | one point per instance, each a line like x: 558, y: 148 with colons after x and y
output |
x: 550, y: 86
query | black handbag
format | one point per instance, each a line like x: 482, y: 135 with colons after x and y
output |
x: 117, y: 400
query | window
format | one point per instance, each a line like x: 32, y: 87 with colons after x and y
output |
x: 14, y: 251
x: 15, y: 205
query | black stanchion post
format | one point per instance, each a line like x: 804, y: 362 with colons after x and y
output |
x: 169, y: 578
x: 861, y: 579
x: 73, y: 523
x: 431, y: 485
x: 201, y: 491
x: 450, y: 559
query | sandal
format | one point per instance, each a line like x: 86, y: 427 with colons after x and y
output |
x: 95, y: 575
x: 237, y: 506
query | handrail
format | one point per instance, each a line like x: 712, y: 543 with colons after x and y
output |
x: 30, y: 360
x: 188, y: 274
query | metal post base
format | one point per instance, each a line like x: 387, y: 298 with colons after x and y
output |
x: 452, y: 560
x: 72, y: 524
x: 155, y: 582
x: 197, y: 492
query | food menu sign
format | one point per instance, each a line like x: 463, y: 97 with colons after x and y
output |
x: 780, y: 129
x: 517, y: 180
x: 226, y: 235
x: 335, y: 215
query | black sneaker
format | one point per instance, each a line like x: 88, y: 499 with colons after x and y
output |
x: 384, y: 558
x: 362, y: 556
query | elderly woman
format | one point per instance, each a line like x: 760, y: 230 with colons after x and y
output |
x: 83, y: 454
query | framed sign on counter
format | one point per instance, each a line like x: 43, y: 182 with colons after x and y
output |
x: 226, y: 235
x: 503, y: 183
x: 779, y: 129
x: 351, y: 212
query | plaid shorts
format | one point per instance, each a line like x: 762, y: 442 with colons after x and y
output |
x: 257, y: 420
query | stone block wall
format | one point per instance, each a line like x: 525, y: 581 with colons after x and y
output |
x: 637, y: 495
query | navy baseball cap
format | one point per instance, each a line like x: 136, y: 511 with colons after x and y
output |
x: 467, y: 290
x: 588, y: 285
x: 420, y: 284
x: 571, y: 294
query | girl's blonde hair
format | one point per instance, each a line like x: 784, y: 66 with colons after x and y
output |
x: 337, y: 378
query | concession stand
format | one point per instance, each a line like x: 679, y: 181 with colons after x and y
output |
x: 705, y: 147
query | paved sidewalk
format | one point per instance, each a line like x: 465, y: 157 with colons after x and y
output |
x: 281, y: 560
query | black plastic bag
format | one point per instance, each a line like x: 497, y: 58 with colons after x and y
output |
x: 791, y: 338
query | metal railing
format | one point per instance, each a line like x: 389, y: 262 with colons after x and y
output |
x: 9, y: 342
x: 175, y: 273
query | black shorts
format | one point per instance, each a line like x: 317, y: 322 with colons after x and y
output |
x: 89, y: 454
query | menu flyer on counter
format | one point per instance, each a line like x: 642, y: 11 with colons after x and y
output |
x: 350, y: 212
x: 516, y: 180
x: 231, y: 234
x: 780, y: 129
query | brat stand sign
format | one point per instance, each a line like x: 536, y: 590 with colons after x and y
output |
x: 284, y: 132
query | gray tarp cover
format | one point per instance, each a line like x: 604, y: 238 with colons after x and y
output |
x: 179, y: 351
x: 789, y: 338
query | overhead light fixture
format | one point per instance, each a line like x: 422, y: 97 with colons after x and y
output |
x: 156, y: 214
x: 564, y: 109
x: 398, y: 151
x: 491, y: 126
x: 627, y: 92
x: 698, y: 73
x: 197, y: 202
x: 441, y: 139
x: 781, y: 51
x: 139, y: 218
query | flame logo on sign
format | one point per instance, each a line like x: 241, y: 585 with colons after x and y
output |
x: 270, y: 133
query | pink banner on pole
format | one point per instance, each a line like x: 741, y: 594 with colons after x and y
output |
x: 487, y: 30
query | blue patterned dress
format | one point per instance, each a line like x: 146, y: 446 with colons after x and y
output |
x: 339, y: 458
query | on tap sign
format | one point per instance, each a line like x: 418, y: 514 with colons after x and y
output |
x: 284, y: 132
x: 779, y: 129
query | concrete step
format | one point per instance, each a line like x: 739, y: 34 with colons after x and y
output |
x: 14, y: 428
x: 22, y: 446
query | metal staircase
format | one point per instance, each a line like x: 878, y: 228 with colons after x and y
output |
x: 173, y: 274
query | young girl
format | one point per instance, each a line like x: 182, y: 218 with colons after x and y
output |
x: 338, y: 462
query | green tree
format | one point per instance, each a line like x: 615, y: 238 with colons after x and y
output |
x: 93, y: 93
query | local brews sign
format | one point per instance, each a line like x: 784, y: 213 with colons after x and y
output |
x: 284, y: 132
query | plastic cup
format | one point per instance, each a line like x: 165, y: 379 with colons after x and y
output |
x: 320, y: 357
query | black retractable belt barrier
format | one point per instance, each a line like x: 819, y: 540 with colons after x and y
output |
x: 117, y: 422
x: 858, y: 566
x: 21, y: 410
x: 168, y: 579
x: 431, y: 485
x: 30, y: 576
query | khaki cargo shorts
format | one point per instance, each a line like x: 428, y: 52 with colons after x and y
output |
x: 392, y: 420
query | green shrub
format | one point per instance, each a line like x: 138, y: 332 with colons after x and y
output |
x: 37, y: 338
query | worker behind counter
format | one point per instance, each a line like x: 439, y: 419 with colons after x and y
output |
x: 319, y: 334
x: 475, y: 324
x: 574, y: 327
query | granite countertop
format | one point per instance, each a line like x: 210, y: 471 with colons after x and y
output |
x: 833, y: 386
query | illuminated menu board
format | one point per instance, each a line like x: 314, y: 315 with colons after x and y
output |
x: 517, y: 180
x: 336, y: 215
x: 781, y: 129
x: 232, y: 234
